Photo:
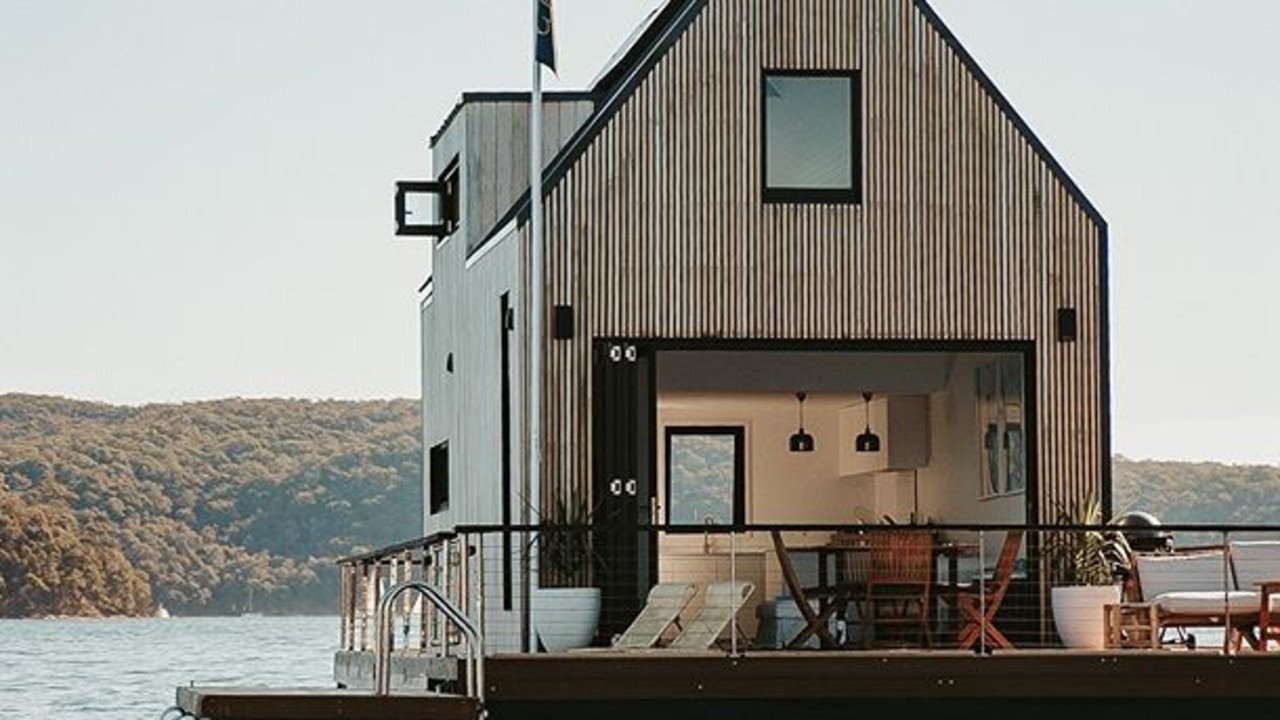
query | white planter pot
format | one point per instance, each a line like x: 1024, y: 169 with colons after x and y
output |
x: 565, y: 618
x: 1078, y: 614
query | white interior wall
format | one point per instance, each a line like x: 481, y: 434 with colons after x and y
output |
x: 950, y: 486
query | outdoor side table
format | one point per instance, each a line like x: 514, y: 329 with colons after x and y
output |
x: 1132, y: 625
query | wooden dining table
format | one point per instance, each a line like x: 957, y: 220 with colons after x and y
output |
x: 831, y: 595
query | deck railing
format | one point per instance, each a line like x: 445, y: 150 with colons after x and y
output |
x: 491, y: 573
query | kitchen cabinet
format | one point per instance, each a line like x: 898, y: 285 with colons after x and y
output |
x: 901, y: 421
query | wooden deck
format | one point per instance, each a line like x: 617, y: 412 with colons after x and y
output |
x: 258, y: 703
x: 778, y: 684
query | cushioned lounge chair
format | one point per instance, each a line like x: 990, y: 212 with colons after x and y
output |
x: 1197, y: 590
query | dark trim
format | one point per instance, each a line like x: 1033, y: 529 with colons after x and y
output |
x: 1009, y: 112
x: 398, y: 548
x: 814, y: 196
x: 1026, y: 349
x: 504, y: 383
x: 404, y: 228
x: 524, y: 96
x: 739, y: 433
x: 1031, y: 432
x: 1104, y: 370
x: 610, y: 94
x: 608, y: 82
x: 450, y: 200
x: 846, y: 196
x: 660, y: 344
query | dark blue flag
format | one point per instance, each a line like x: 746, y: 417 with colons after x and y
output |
x: 545, y: 51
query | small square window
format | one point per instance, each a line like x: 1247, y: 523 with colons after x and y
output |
x: 812, y: 138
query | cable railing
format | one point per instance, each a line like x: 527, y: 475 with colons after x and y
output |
x: 820, y: 587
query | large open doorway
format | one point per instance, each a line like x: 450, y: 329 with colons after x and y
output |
x: 954, y: 425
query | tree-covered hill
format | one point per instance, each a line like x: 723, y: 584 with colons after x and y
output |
x: 113, y: 510
x: 110, y: 510
x: 1202, y: 492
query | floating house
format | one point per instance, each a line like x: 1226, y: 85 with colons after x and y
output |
x: 757, y: 202
x: 813, y: 289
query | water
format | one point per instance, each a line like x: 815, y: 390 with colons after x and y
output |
x: 129, y: 669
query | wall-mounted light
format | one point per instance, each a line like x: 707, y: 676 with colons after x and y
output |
x: 1066, y: 324
x: 867, y: 441
x: 801, y: 441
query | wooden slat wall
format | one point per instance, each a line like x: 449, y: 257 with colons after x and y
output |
x: 496, y: 169
x: 964, y: 232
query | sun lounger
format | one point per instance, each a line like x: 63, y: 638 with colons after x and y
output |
x: 720, y: 604
x: 1198, y: 589
x: 661, y: 611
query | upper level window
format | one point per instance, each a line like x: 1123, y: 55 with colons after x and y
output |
x: 812, y: 137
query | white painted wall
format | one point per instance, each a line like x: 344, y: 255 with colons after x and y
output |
x: 950, y: 485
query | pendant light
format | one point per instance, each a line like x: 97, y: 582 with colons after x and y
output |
x: 801, y: 441
x: 867, y: 441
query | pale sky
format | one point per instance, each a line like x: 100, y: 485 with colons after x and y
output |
x: 195, y: 197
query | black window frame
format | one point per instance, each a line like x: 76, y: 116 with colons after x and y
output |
x: 738, y: 432
x: 438, y: 485
x: 834, y: 196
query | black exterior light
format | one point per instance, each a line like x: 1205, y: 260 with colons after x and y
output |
x: 801, y: 441
x: 867, y: 441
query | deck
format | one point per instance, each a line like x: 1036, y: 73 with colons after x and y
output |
x: 780, y: 684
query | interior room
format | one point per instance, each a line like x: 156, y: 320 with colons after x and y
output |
x: 826, y: 437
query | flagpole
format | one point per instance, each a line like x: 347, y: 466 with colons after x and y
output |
x: 535, y: 306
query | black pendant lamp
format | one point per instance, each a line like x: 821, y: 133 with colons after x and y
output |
x: 867, y: 441
x: 801, y: 441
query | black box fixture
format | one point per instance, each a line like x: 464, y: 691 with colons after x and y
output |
x: 427, y: 207
x: 1066, y: 324
x: 562, y: 322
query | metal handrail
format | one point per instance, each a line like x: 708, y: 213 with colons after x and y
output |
x: 385, y: 639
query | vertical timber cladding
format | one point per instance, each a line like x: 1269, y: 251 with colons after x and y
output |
x: 967, y: 231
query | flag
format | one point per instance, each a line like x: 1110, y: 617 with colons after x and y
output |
x: 545, y: 50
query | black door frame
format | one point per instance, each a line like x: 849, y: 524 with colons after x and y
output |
x: 609, y: 448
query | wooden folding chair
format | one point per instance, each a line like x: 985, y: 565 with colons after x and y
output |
x: 977, y: 607
x: 898, y: 587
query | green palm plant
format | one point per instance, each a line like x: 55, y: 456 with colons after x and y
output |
x: 1091, y: 556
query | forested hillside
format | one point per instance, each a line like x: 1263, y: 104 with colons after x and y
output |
x: 113, y: 510
x: 108, y: 510
x: 1205, y: 492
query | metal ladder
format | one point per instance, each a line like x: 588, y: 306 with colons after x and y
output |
x: 385, y: 639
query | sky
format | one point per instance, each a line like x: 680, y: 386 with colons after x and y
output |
x: 195, y: 197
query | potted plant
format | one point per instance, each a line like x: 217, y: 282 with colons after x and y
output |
x: 1089, y: 565
x: 565, y: 607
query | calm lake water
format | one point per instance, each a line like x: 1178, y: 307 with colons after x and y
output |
x: 129, y: 669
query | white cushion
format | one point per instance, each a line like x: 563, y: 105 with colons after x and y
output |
x: 1161, y: 574
x: 1255, y: 561
x: 1210, y: 602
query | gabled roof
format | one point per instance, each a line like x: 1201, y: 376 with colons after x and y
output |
x: 664, y: 27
